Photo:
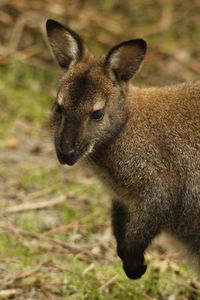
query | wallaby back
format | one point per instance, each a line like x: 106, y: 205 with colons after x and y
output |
x: 144, y: 143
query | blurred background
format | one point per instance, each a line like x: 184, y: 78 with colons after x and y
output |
x: 55, y: 233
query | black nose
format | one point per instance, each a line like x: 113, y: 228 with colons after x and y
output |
x: 68, y: 158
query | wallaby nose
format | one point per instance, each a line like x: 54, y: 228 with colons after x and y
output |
x: 68, y: 158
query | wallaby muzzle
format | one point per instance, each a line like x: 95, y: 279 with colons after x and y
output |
x: 69, y: 158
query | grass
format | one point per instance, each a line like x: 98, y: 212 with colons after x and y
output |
x: 17, y: 103
x: 66, y: 276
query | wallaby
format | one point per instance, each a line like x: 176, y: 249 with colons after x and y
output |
x: 143, y: 142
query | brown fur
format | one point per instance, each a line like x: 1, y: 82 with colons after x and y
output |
x: 146, y: 148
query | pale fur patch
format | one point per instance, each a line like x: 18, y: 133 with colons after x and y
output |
x: 114, y: 61
x: 60, y: 99
x: 99, y: 105
x: 89, y: 150
x: 73, y: 47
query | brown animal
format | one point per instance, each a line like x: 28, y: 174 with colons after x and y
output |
x: 144, y: 142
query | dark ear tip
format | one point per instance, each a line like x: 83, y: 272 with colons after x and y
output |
x: 142, y: 43
x: 52, y: 24
x: 139, y: 42
x: 136, y: 42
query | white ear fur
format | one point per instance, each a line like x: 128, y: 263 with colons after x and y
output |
x: 114, y: 60
x: 73, y: 47
x: 113, y: 65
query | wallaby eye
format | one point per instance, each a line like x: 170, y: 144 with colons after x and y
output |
x: 97, y: 115
x: 58, y: 108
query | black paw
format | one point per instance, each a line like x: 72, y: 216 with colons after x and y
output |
x: 134, y: 270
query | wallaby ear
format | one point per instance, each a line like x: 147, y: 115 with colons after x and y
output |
x: 67, y: 46
x: 124, y: 60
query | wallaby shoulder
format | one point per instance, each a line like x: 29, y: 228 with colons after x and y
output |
x: 162, y: 133
x: 179, y: 95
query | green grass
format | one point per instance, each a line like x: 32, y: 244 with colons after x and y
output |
x: 70, y: 282
x: 21, y: 96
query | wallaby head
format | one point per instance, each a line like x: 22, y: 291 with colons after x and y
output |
x: 90, y: 107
